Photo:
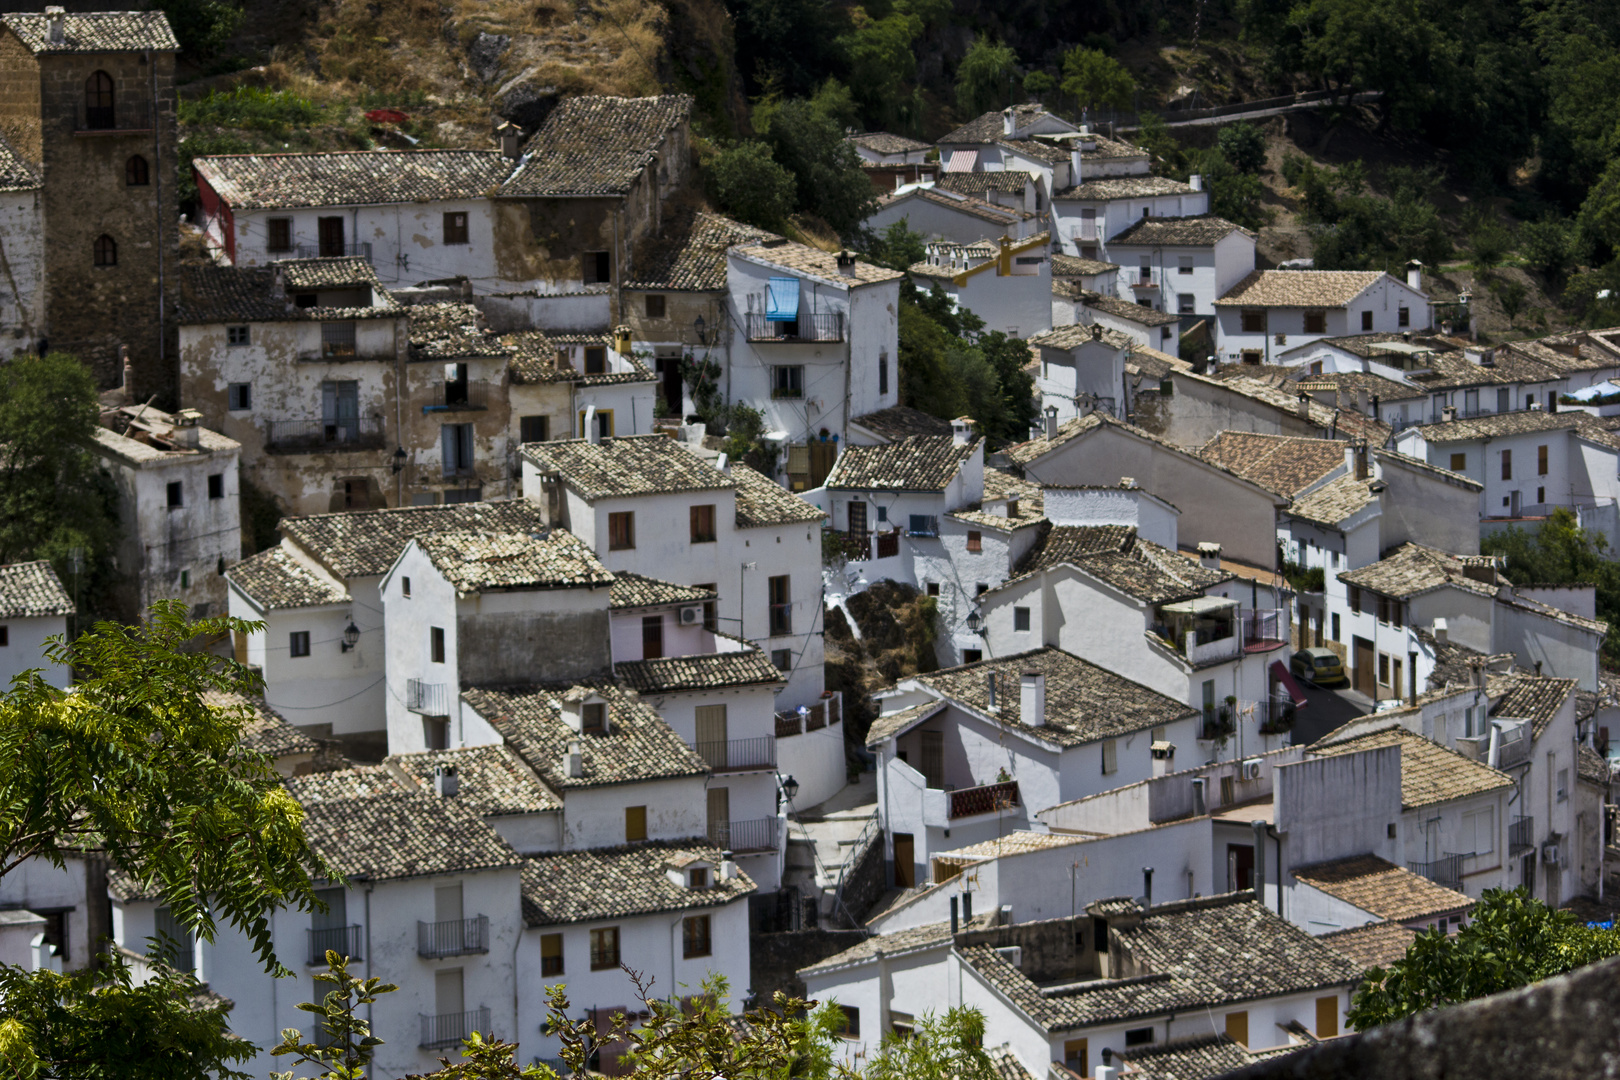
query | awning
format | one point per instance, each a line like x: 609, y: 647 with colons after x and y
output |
x: 962, y: 161
x: 782, y: 299
x: 1199, y: 605
x: 1281, y: 675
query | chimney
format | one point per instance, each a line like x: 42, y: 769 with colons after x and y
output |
x: 1195, y: 182
x: 990, y: 688
x: 1375, y: 406
x: 1009, y: 123
x: 622, y: 340
x: 1096, y: 331
x: 1361, y: 400
x: 1414, y: 276
x: 1304, y: 406
x: 593, y: 435
x: 1259, y: 874
x: 1209, y: 554
x: 728, y: 867
x: 1441, y: 633
x: 445, y: 780
x: 967, y: 908
x: 1032, y: 699
x: 1074, y: 166
x: 129, y: 374
x: 55, y: 17
x: 846, y: 263
x: 1051, y: 422
x: 962, y: 431
x: 1107, y: 1070
x: 185, y: 431
x: 1147, y: 888
x: 573, y: 763
x: 1448, y: 413
x: 1200, y: 808
x: 1359, y: 449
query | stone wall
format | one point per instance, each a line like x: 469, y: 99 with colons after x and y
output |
x: 775, y: 959
x: 864, y: 883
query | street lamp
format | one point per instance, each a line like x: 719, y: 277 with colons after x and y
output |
x: 398, y: 461
x: 974, y: 621
x: 351, y: 636
x: 701, y: 328
x: 790, y: 788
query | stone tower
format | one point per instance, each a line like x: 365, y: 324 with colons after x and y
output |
x: 88, y: 101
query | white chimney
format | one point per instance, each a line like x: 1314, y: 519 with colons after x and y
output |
x: 1442, y: 633
x: 573, y: 762
x: 962, y: 430
x: 846, y: 263
x: 1051, y: 422
x: 1304, y: 406
x: 990, y: 690
x: 572, y: 715
x: 1195, y: 182
x: 55, y: 17
x: 1032, y: 699
x: 445, y: 780
x: 510, y: 138
x: 1209, y: 554
x: 185, y: 431
x: 1414, y: 275
x: 728, y: 867
x: 592, y: 435
x: 1009, y: 123
x: 1074, y: 166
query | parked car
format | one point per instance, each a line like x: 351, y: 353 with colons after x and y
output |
x: 1319, y: 665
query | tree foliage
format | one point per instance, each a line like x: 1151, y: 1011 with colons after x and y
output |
x: 201, y: 26
x: 1355, y: 229
x: 1510, y: 941
x: 1094, y: 79
x: 984, y: 78
x: 1244, y: 145
x: 1560, y: 552
x: 828, y: 179
x: 748, y: 184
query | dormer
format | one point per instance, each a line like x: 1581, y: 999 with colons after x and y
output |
x: 586, y: 712
x: 691, y: 872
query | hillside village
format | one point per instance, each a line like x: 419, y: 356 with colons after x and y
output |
x: 1144, y: 718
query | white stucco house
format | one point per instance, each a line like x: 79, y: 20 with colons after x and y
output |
x: 1082, y: 369
x: 1181, y: 264
x: 34, y: 607
x: 1007, y: 284
x: 1269, y: 310
x: 936, y: 212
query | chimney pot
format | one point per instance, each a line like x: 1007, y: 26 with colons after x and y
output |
x: 1196, y: 182
x: 1051, y: 422
x: 1032, y: 699
x: 445, y: 780
x: 846, y: 263
x: 1147, y: 887
x: 1414, y: 275
x: 55, y: 16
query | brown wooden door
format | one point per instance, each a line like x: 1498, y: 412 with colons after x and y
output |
x: 857, y: 519
x: 1365, y: 674
x: 905, y: 861
x: 720, y: 817
x: 331, y: 235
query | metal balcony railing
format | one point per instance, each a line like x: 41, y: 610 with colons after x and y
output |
x: 789, y: 724
x: 826, y: 326
x: 1217, y: 722
x: 129, y: 116
x: 1446, y: 870
x: 756, y: 835
x: 315, y: 436
x: 452, y: 1029
x: 429, y: 699
x: 986, y: 799
x: 1521, y: 835
x: 737, y: 755
x: 343, y: 940
x: 1264, y: 628
x: 1274, y: 717
x: 454, y: 937
x: 333, y: 251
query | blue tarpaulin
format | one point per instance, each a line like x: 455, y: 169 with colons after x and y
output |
x: 782, y: 299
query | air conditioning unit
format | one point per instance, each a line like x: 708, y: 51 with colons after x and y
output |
x: 691, y: 616
x: 1250, y: 770
x: 1549, y: 853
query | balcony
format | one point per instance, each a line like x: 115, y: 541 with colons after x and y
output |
x: 129, y: 118
x: 743, y: 836
x: 986, y: 799
x: 333, y: 251
x: 343, y: 940
x: 1521, y: 836
x: 1219, y: 722
x: 452, y: 1029
x: 462, y: 397
x: 826, y: 326
x: 1274, y: 717
x: 324, y: 436
x: 739, y: 755
x: 453, y: 937
x: 1264, y: 629
x: 1203, y: 630
x: 429, y: 699
x: 1446, y: 870
x: 1145, y: 281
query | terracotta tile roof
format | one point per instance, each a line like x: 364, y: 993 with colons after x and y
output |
x: 1153, y: 363
x: 492, y: 781
x: 276, y: 581
x: 953, y: 200
x: 883, y: 142
x: 216, y: 294
x: 639, y: 745
x: 1381, y: 888
x: 671, y: 674
x: 1591, y: 766
x: 535, y: 360
x: 1115, y: 555
x: 899, y: 421
x: 149, y: 444
x: 1284, y: 464
x: 30, y: 590
x: 635, y: 465
x: 1299, y: 288
x: 1393, y: 457
x: 1430, y: 773
x: 1005, y: 1064
x: 1413, y: 569
x: 1523, y: 422
x: 1195, y: 1057
x: 976, y: 183
x: 1122, y: 187
x: 365, y: 823
x: 332, y: 272
x: 1377, y: 944
x: 1125, y: 309
x: 1347, y: 422
x: 621, y: 882
x: 482, y: 560
x: 762, y: 502
x: 16, y: 174
x: 1454, y: 664
x: 1084, y: 702
x: 1453, y: 371
x: 915, y: 463
x: 1075, y: 266
x: 1028, y: 515
x: 1096, y: 147
x: 1517, y: 600
x: 596, y: 145
x: 815, y: 262
x: 990, y: 127
x: 1536, y: 698
x: 1080, y: 334
x: 266, y: 731
x: 898, y: 943
x: 634, y: 591
x: 689, y: 253
x: 1348, y: 382
x: 894, y: 723
x: 95, y: 32
x: 1335, y: 501
x: 365, y: 543
x: 1201, y: 230
x: 1367, y: 345
x: 450, y: 331
x: 1016, y: 842
x: 355, y: 177
x: 1002, y: 483
x: 1037, y: 149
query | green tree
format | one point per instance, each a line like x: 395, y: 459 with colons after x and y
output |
x: 1037, y: 84
x: 896, y: 247
x: 1559, y: 551
x: 828, y: 179
x: 55, y: 495
x: 201, y: 26
x: 1489, y: 240
x: 883, y: 62
x: 1233, y: 194
x: 1244, y: 145
x: 984, y: 78
x: 833, y: 101
x: 1094, y: 79
x: 1548, y: 246
x: 787, y: 46
x: 749, y: 185
x: 948, y: 1047
x: 1510, y: 941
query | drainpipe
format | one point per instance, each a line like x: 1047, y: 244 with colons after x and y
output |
x: 1272, y: 829
x: 399, y: 404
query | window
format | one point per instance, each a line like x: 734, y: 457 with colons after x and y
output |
x: 5, y: 636
x: 980, y: 588
x: 239, y: 396
x: 711, y: 621
x: 176, y: 494
x: 455, y: 227
x: 329, y: 236
x: 405, y: 586
x: 1184, y: 303
x: 883, y: 372
x: 782, y: 659
x: 1383, y: 669
x: 337, y: 339
x: 237, y: 335
x: 697, y: 879
x: 622, y: 530
x: 1459, y: 462
x: 1021, y: 619
x: 635, y: 823
x: 1355, y: 600
x: 975, y: 540
x: 695, y: 936
x: 781, y: 606
x: 1075, y: 1058
x: 1335, y: 635
x: 1366, y: 321
x: 304, y: 299
x: 702, y: 524
x: 1504, y: 400
x: 1507, y: 464
x: 904, y: 1025
x: 298, y: 643
x: 1541, y: 461
x: 1316, y: 322
x: 1327, y: 1017
x: 787, y: 381
x: 1138, y: 1036
x: 436, y: 644
x: 932, y: 588
x: 1254, y: 321
x: 1237, y: 1027
x: 105, y: 251
x: 972, y: 656
x: 174, y: 942
x: 652, y: 637
x: 1110, y: 757
x: 532, y: 428
x: 216, y: 485
x: 98, y: 102
x: 1541, y: 496
x: 1316, y: 367
x: 1563, y: 785
x: 1479, y: 832
x: 605, y: 948
x: 1403, y: 316
x: 1184, y: 264
x: 597, y: 268
x: 596, y: 359
x: 655, y: 306
x: 136, y: 173
x: 593, y: 718
x: 278, y: 234
x: 852, y: 1023
x: 551, y: 959
x: 923, y: 525
x: 456, y: 446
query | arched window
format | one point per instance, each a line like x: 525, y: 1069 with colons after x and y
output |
x: 135, y: 172
x: 98, y: 101
x: 106, y: 251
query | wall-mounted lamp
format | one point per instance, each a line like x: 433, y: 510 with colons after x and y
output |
x: 398, y: 460
x: 351, y: 636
